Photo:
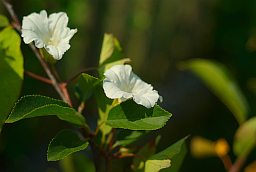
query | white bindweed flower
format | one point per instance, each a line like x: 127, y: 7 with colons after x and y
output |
x: 50, y: 32
x: 121, y: 83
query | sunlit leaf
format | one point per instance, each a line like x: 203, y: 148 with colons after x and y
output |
x: 65, y: 143
x: 129, y: 115
x: 110, y: 49
x: 104, y: 105
x: 11, y: 71
x: 3, y: 21
x: 214, y: 75
x: 245, y: 137
x: 143, y: 154
x: 111, y: 54
x: 34, y: 106
x: 77, y: 162
x: 170, y: 158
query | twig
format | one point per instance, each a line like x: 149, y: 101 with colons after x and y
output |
x: 238, y: 164
x: 39, y: 56
x: 226, y: 162
x: 117, y: 156
x: 48, y: 72
x: 81, y: 107
x: 38, y: 77
x: 63, y: 87
x: 9, y: 8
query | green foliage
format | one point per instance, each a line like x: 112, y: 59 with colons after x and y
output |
x: 86, y: 85
x: 126, y: 137
x: 170, y: 157
x: 11, y: 70
x: 111, y: 54
x: 104, y: 105
x: 3, y: 21
x: 109, y: 47
x: 65, y: 143
x: 143, y: 154
x: 77, y: 163
x: 245, y: 137
x: 215, y: 77
x: 34, y: 106
x: 129, y: 115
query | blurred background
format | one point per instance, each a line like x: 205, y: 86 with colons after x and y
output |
x: 156, y: 35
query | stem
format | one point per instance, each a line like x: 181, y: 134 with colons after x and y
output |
x: 38, y: 77
x: 49, y: 73
x: 63, y: 87
x: 81, y: 107
x: 238, y: 164
x: 226, y: 162
x: 39, y: 56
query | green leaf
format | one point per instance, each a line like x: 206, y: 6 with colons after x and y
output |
x: 104, y: 105
x: 77, y: 162
x: 34, y: 106
x: 126, y: 137
x: 86, y: 85
x: 111, y: 54
x: 11, y: 71
x: 110, y: 50
x: 138, y: 163
x: 3, y: 21
x: 65, y: 143
x: 245, y: 137
x: 214, y: 75
x: 129, y: 115
x: 170, y: 158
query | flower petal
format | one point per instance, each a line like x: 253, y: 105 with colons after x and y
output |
x: 121, y: 82
x: 35, y: 28
x: 144, y: 94
x: 61, y: 35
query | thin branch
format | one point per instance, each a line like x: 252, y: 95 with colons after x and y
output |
x: 9, y: 8
x: 63, y: 87
x: 38, y: 77
x: 48, y: 72
x: 81, y: 107
x: 226, y: 162
x: 39, y: 56
x: 238, y: 164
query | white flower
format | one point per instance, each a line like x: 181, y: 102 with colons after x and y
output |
x: 50, y: 32
x: 121, y: 83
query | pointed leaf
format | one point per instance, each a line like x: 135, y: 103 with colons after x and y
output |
x: 65, y: 143
x: 110, y: 50
x: 171, y: 157
x: 111, y: 54
x: 34, y: 106
x: 86, y: 85
x: 11, y: 71
x: 129, y: 115
x: 214, y: 75
x: 245, y: 137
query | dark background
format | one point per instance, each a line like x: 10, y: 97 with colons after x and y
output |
x: 156, y: 35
